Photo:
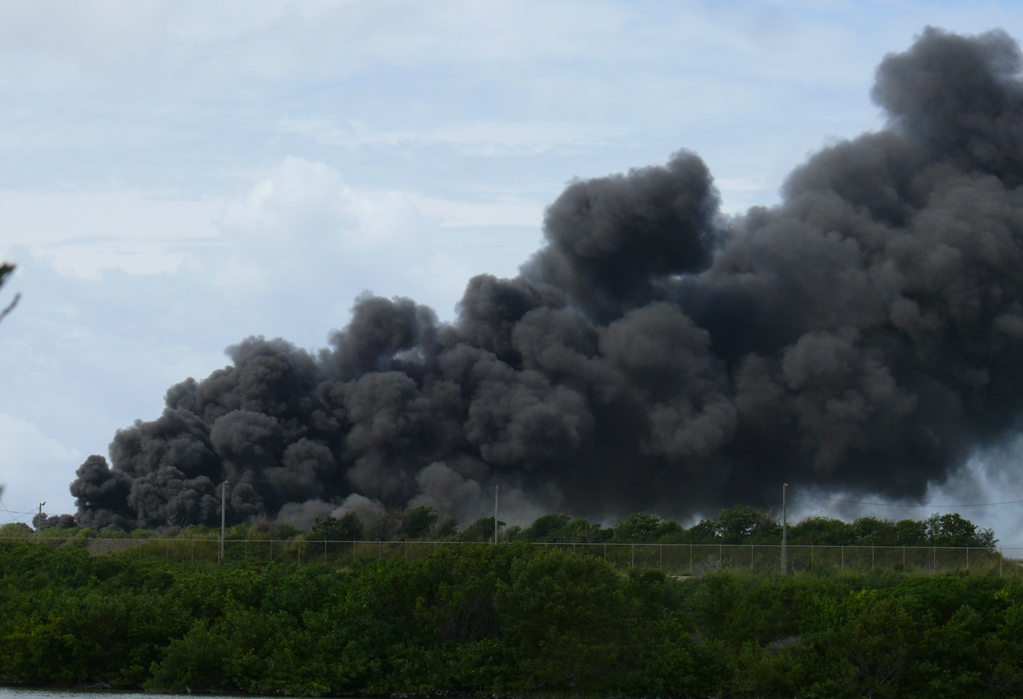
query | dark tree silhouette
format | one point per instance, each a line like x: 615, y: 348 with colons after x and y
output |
x: 6, y: 269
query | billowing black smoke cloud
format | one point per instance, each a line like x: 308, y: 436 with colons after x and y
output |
x: 864, y: 335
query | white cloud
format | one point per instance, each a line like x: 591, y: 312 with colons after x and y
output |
x: 302, y: 236
x: 502, y: 211
x: 302, y: 229
x: 83, y: 233
x: 489, y: 138
x: 33, y: 471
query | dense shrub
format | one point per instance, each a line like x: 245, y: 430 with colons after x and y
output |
x: 506, y: 619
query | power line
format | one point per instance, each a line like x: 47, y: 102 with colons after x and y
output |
x: 12, y: 513
x: 14, y: 516
x: 926, y: 507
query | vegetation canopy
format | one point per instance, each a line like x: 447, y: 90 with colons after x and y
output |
x: 500, y: 620
x: 739, y: 525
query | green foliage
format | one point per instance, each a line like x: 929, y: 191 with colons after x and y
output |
x: 562, y: 622
x: 641, y: 527
x: 743, y: 524
x: 15, y: 529
x: 953, y: 530
x: 446, y: 528
x: 193, y: 663
x: 500, y: 620
x: 562, y: 528
x: 417, y: 522
x: 480, y: 530
x: 739, y: 525
x: 546, y: 527
x: 347, y: 527
x: 821, y: 531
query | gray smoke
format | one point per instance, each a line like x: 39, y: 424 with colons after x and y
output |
x: 864, y: 336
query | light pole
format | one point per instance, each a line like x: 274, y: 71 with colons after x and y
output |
x: 497, y: 490
x: 784, y: 530
x: 39, y: 524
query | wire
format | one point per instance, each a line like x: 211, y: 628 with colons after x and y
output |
x: 891, y: 504
x: 14, y: 518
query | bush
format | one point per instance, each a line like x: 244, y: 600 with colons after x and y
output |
x: 503, y: 619
x: 348, y: 527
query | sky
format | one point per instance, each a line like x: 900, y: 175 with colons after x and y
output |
x: 177, y: 176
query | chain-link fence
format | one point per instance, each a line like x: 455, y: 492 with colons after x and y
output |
x: 673, y: 559
x: 698, y: 559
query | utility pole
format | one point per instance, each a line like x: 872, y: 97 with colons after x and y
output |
x: 784, y: 530
x: 497, y: 490
x: 223, y: 517
x: 39, y: 524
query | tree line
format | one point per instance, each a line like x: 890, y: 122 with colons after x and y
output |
x: 500, y: 620
x: 741, y: 524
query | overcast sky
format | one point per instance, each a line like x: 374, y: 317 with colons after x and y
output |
x: 176, y: 176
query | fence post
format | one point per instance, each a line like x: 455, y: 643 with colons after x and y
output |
x: 843, y: 559
x: 751, y: 558
x: 903, y: 559
x: 660, y: 557
x: 721, y: 557
x: 967, y: 559
x: 934, y: 559
x: 872, y: 558
x: 690, y: 560
x: 633, y: 563
x: 271, y: 549
x: 811, y: 558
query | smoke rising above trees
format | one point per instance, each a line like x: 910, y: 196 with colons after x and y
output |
x: 863, y: 335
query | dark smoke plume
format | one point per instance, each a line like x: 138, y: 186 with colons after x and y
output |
x: 864, y: 335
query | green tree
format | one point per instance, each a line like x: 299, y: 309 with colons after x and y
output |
x: 871, y: 531
x: 561, y: 619
x: 417, y: 522
x: 864, y: 645
x: 546, y: 527
x: 703, y: 532
x: 742, y: 524
x: 348, y: 527
x: 822, y: 531
x: 642, y: 527
x: 193, y: 663
x: 954, y: 530
x: 562, y: 528
x: 910, y: 532
x: 480, y: 530
x: 12, y: 529
x: 447, y: 528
